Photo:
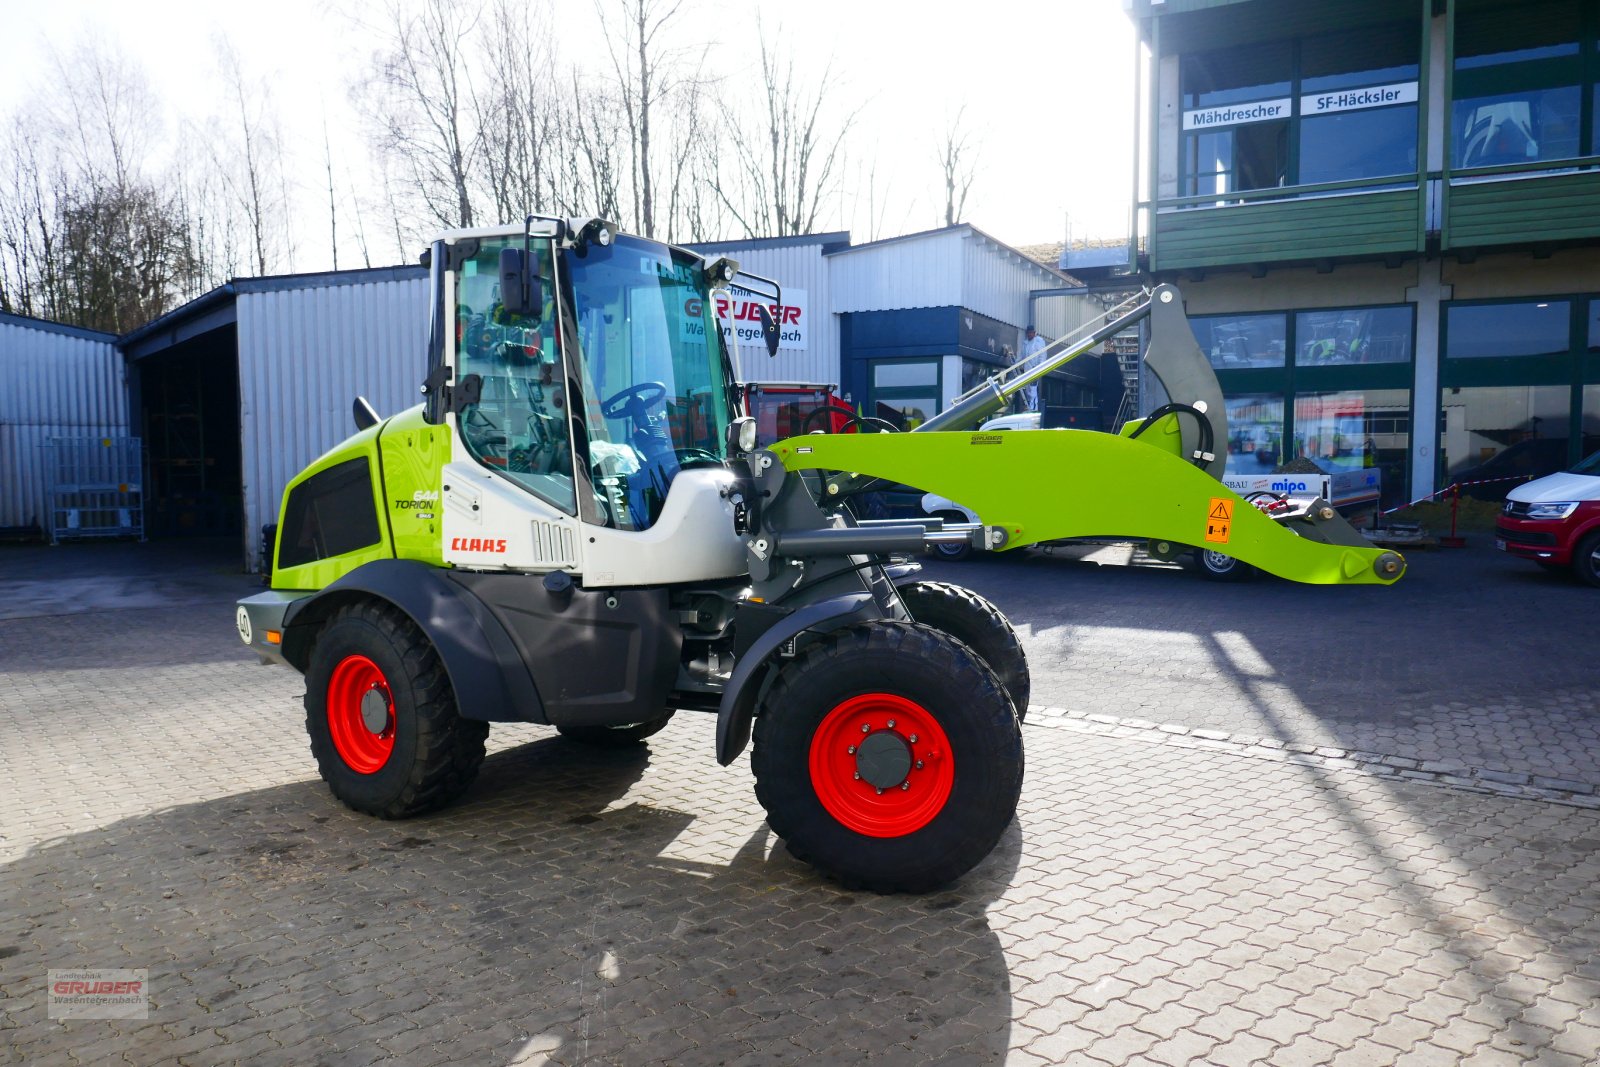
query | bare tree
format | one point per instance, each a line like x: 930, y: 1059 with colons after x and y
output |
x: 777, y: 187
x: 420, y: 103
x: 247, y: 151
x: 957, y: 156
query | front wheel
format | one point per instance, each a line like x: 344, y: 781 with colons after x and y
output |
x: 382, y: 716
x: 1586, y: 559
x: 887, y: 756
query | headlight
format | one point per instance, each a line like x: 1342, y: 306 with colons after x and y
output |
x: 1551, y: 510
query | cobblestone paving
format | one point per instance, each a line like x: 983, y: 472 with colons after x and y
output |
x: 1162, y: 898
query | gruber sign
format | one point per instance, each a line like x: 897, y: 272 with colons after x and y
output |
x: 736, y: 309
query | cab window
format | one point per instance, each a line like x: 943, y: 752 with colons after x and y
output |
x: 520, y: 424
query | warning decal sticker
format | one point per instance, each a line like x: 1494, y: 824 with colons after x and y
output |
x: 1219, y: 520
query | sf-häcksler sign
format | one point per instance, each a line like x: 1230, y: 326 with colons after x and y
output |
x: 1310, y: 104
x: 1358, y: 99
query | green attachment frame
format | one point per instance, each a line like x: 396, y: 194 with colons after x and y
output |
x: 1031, y: 486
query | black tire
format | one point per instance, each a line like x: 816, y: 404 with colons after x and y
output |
x: 1586, y: 559
x: 434, y: 753
x: 977, y: 623
x: 615, y: 736
x: 1221, y: 567
x: 951, y: 553
x: 946, y: 684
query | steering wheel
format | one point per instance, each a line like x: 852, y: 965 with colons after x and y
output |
x: 634, y: 401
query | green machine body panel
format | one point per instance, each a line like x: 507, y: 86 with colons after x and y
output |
x: 405, y: 460
x: 1046, y: 485
x: 414, y: 456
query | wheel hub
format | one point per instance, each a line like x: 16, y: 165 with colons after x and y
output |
x: 375, y: 710
x: 883, y: 759
x: 881, y: 764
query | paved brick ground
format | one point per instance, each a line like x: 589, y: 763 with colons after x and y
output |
x: 1163, y: 897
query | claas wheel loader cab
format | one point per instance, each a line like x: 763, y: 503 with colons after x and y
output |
x: 575, y: 528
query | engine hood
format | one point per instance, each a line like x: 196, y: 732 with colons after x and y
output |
x: 1562, y: 486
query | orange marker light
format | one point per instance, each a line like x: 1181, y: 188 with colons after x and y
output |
x: 274, y: 637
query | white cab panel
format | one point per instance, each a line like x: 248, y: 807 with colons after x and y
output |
x: 491, y: 524
x: 692, y: 541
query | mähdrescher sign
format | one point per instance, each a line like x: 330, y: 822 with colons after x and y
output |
x: 1358, y: 99
x: 1236, y: 114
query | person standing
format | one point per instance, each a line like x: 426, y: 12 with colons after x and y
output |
x: 1032, y: 345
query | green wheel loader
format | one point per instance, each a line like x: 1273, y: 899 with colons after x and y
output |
x: 575, y: 528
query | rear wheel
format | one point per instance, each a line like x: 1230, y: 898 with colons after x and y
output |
x: 977, y: 623
x: 1221, y: 567
x: 1586, y: 559
x: 382, y: 716
x: 887, y: 756
x: 624, y: 736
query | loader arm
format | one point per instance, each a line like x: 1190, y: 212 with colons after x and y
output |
x: 1053, y: 484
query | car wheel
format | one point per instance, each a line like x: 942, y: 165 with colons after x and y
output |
x: 952, y: 553
x: 1586, y: 560
x: 1221, y: 567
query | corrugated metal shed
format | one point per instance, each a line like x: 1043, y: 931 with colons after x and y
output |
x: 959, y: 266
x: 54, y: 381
x: 796, y: 263
x: 305, y: 352
x: 920, y: 270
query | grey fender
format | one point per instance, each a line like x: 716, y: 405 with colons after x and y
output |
x: 490, y: 680
x: 738, y: 708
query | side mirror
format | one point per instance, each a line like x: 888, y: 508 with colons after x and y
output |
x: 519, y: 294
x: 769, y: 329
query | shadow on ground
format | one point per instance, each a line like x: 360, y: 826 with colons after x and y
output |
x: 530, y: 918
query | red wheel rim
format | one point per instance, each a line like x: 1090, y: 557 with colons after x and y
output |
x: 362, y: 750
x: 856, y: 756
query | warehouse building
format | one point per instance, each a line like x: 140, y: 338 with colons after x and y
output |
x: 1385, y: 219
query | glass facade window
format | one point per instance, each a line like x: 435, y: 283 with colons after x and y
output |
x: 1336, y: 107
x: 1519, y: 85
x: 1357, y: 430
x: 1255, y: 433
x: 1353, y: 335
x: 1533, y: 328
x: 899, y: 375
x: 1505, y: 433
x: 1590, y: 421
x: 1237, y: 342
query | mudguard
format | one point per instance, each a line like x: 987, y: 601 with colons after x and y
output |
x: 737, y: 711
x: 490, y: 680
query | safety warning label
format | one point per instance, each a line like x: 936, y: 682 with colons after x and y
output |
x: 1219, y: 520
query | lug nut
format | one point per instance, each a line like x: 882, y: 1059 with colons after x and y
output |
x: 880, y: 792
x: 891, y: 724
x: 866, y: 727
x: 919, y: 765
x: 913, y: 739
x: 905, y: 785
x: 856, y: 776
x: 851, y: 750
